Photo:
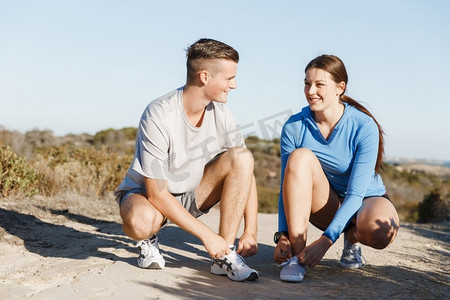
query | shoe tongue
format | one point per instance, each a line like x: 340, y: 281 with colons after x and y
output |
x: 235, y: 258
x: 349, y: 245
x: 153, y: 250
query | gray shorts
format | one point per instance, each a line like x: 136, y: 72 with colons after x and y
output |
x: 186, y: 199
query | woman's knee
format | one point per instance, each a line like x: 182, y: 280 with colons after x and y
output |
x: 377, y: 234
x: 377, y: 223
x: 299, y: 159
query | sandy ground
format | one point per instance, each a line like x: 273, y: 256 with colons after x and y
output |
x: 73, y: 248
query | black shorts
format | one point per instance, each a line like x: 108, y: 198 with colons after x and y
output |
x: 350, y: 223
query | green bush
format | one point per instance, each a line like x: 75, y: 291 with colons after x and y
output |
x: 85, y: 170
x: 121, y: 140
x: 434, y: 207
x: 16, y: 175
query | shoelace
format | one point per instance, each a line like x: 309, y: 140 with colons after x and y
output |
x: 291, y: 261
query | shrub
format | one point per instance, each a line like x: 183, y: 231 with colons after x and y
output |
x: 85, y: 170
x: 117, y: 140
x: 252, y: 139
x: 16, y: 175
x: 434, y: 207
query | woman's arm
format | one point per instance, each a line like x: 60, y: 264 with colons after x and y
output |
x: 362, y: 173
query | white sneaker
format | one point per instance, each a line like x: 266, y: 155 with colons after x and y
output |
x: 351, y: 256
x: 233, y: 265
x: 149, y: 256
x: 292, y: 270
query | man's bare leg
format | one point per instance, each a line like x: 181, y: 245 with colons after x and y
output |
x: 230, y: 179
x: 140, y: 219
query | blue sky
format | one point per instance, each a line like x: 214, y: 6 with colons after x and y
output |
x: 85, y: 66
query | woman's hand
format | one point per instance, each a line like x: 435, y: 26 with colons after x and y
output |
x: 312, y: 254
x: 283, y: 250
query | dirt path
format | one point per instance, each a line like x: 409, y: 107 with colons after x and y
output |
x: 71, y: 248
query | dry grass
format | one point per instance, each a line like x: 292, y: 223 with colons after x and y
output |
x: 84, y: 170
x: 93, y: 166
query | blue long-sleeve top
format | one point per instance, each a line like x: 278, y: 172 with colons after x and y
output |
x: 348, y: 159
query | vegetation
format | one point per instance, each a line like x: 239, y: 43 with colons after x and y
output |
x: 16, y: 175
x: 84, y: 170
x: 435, y: 207
x: 408, y: 190
x: 40, y: 163
x: 117, y: 140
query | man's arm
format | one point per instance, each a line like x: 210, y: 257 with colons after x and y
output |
x: 169, y: 207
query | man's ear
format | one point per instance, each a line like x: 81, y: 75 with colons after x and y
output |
x: 204, y: 77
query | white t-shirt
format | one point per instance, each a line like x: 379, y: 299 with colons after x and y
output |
x: 169, y: 147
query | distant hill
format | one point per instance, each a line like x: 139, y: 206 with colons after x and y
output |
x: 409, y: 161
x: 435, y: 167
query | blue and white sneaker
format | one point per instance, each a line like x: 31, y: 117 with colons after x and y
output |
x: 234, y: 266
x: 292, y: 270
x: 351, y: 255
x: 149, y: 256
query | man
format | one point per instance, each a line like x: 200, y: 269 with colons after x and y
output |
x: 190, y: 154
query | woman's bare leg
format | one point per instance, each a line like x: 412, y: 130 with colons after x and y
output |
x: 377, y: 223
x: 306, y: 196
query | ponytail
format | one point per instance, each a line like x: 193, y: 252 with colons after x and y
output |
x: 334, y: 65
x: 356, y: 104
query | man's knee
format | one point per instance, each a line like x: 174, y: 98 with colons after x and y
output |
x: 240, y: 157
x: 139, y: 224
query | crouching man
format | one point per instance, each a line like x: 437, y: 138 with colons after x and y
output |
x: 189, y: 155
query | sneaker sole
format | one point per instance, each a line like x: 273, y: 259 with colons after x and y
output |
x: 153, y: 265
x: 288, y: 278
x: 351, y: 266
x: 253, y: 276
x: 216, y: 270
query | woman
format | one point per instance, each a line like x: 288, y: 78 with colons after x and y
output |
x: 331, y: 155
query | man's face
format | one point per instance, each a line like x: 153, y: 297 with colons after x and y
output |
x: 221, y: 79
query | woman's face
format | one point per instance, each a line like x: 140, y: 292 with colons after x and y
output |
x: 321, y: 91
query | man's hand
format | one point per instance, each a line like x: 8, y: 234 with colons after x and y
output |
x: 248, y: 245
x: 283, y: 250
x: 215, y: 245
x: 312, y: 254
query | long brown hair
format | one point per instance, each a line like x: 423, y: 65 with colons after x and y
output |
x: 334, y: 65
